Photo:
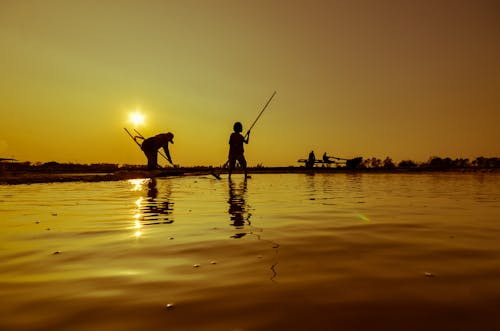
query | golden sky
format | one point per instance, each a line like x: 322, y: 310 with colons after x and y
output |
x: 405, y: 79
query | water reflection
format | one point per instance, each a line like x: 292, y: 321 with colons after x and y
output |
x: 157, y: 209
x: 238, y: 208
x: 154, y: 207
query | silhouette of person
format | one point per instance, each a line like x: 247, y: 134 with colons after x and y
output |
x: 311, y: 160
x: 326, y: 160
x: 150, y: 147
x: 236, y: 150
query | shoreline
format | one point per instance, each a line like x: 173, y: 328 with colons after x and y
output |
x: 39, y: 177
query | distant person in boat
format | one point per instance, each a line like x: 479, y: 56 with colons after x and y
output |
x: 150, y: 147
x: 311, y: 160
x: 236, y: 150
x: 326, y: 160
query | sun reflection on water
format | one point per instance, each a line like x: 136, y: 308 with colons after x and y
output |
x: 138, y: 202
x: 153, y: 206
x: 138, y: 184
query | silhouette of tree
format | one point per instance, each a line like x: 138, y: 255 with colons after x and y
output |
x: 407, y: 164
x: 388, y: 164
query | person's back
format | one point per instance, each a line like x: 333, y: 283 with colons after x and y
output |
x: 236, y: 141
x: 150, y: 147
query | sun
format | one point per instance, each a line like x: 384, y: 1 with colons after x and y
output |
x: 136, y: 118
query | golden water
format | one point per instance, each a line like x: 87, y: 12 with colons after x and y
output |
x: 277, y: 252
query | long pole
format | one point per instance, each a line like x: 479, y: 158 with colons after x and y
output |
x: 217, y: 175
x: 260, y: 114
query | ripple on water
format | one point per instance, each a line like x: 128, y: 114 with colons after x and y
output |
x: 264, y: 254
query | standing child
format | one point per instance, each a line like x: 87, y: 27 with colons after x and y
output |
x: 236, y: 150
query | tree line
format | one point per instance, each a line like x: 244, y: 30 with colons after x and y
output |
x: 434, y: 163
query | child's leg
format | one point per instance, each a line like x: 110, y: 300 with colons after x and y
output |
x: 243, y: 164
x: 232, y: 163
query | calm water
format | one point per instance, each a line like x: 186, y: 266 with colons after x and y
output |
x: 277, y: 252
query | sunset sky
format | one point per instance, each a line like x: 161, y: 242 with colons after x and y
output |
x: 405, y: 79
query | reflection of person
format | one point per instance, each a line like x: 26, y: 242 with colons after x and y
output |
x: 157, y: 210
x: 236, y: 150
x: 150, y: 147
x: 237, y: 207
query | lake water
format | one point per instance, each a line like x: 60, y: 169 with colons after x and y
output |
x: 276, y: 252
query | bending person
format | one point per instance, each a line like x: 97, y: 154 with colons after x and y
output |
x: 150, y: 147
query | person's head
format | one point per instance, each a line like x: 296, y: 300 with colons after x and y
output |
x: 168, y: 137
x: 238, y: 127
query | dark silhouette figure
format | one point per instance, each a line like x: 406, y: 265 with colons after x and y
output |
x: 326, y: 160
x: 311, y: 160
x: 236, y: 150
x: 150, y: 147
x: 238, y: 213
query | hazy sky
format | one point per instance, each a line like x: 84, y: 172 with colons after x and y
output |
x: 405, y: 79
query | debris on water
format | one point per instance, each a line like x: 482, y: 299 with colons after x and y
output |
x: 429, y: 275
x: 54, y: 214
x: 312, y: 198
x: 48, y: 229
x: 196, y: 265
x: 37, y: 222
x: 56, y: 252
x: 171, y: 238
x: 169, y: 306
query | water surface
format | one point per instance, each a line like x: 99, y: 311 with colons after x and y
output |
x: 276, y: 252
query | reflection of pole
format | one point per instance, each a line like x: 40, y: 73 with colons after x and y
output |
x: 239, y: 213
x: 273, y: 267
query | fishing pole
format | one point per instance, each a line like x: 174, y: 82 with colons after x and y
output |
x: 217, y: 175
x: 140, y: 136
x: 260, y: 114
x: 133, y: 138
